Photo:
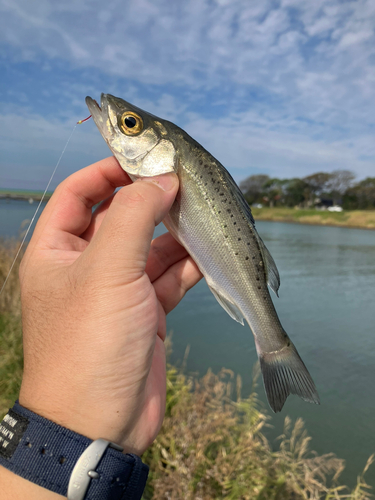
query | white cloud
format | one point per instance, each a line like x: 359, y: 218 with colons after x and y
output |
x: 311, y: 63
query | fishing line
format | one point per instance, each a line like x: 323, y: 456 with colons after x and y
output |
x: 40, y: 202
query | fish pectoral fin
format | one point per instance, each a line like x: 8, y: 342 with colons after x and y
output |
x: 228, y: 306
x: 273, y: 277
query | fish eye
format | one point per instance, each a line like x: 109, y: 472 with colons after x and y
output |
x: 131, y: 123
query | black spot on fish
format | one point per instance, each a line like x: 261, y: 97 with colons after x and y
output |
x: 221, y: 194
x: 219, y: 212
x: 234, y: 223
x: 246, y: 258
x: 228, y: 210
x: 206, y: 166
x: 232, y: 215
x: 239, y: 239
x: 201, y: 176
x: 259, y: 287
x: 225, y: 225
x: 239, y: 229
x: 236, y: 253
x: 258, y: 278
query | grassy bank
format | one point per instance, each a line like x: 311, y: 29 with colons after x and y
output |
x: 212, y: 444
x: 23, y: 194
x: 364, y: 219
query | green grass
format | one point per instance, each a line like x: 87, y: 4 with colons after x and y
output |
x: 25, y: 192
x: 212, y: 444
x: 347, y: 218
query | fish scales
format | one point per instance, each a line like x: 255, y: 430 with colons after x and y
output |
x: 236, y: 264
x: 212, y: 220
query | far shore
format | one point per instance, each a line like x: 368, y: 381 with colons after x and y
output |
x: 23, y: 195
x: 360, y: 219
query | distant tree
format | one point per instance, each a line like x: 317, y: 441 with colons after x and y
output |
x: 339, y: 183
x: 334, y: 187
x: 318, y: 183
x: 341, y: 180
x: 361, y: 195
x: 274, y: 191
x: 296, y: 192
x: 253, y: 187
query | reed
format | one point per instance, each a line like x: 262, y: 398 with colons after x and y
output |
x: 212, y: 444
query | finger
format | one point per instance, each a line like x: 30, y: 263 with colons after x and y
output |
x: 69, y: 210
x: 124, y: 237
x: 171, y: 287
x: 165, y: 251
x: 96, y: 219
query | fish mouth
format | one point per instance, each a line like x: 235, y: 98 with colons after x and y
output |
x: 98, y: 112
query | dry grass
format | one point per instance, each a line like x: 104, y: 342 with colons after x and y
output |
x: 211, y: 445
x: 355, y: 218
x: 11, y: 358
x: 10, y: 297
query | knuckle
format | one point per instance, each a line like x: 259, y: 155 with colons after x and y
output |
x: 131, y: 197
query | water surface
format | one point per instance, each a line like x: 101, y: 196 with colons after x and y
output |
x: 326, y: 305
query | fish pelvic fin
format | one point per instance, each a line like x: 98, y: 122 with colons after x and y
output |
x: 285, y: 373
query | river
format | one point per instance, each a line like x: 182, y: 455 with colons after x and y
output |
x: 326, y: 305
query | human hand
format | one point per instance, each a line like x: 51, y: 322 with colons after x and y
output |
x: 95, y: 294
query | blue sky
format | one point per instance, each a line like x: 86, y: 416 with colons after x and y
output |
x: 285, y: 88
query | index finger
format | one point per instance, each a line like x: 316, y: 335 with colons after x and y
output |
x: 69, y: 209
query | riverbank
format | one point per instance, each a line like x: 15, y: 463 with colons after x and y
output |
x: 363, y: 219
x: 31, y: 196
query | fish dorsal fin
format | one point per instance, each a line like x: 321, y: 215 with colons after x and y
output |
x: 228, y: 306
x: 273, y: 278
x: 272, y: 274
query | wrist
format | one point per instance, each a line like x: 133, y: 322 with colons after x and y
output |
x: 77, y: 413
x: 14, y: 487
x: 65, y: 462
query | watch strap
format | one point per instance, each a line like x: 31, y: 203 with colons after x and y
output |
x: 46, y: 453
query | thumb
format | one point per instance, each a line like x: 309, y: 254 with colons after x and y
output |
x: 124, y: 237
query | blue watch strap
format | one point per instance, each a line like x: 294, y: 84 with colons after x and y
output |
x: 46, y: 453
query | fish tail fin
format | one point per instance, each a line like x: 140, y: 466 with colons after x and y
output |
x: 285, y: 373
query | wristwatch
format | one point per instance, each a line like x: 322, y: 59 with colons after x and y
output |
x: 68, y: 463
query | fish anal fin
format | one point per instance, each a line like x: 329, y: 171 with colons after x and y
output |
x: 273, y: 277
x: 228, y: 306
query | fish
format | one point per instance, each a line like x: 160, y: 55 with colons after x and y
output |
x: 212, y: 220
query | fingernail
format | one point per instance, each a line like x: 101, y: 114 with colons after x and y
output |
x: 166, y: 182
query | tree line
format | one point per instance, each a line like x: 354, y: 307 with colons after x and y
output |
x: 320, y: 189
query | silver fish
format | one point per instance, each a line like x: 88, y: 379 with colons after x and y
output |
x: 213, y: 221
